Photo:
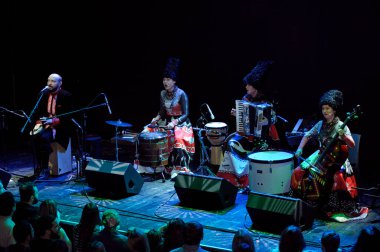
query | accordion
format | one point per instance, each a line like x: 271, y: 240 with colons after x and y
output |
x: 253, y: 119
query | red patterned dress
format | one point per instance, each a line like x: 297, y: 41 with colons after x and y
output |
x: 174, y: 107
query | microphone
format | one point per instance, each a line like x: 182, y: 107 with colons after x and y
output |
x: 210, y: 112
x: 282, y: 119
x: 76, y: 123
x: 45, y: 88
x: 108, y: 106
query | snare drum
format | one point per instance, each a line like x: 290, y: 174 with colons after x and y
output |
x: 153, y: 149
x: 270, y: 171
x: 216, y: 132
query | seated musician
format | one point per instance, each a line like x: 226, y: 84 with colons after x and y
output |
x: 325, y: 179
x: 239, y: 145
x: 49, y: 128
x: 173, y: 115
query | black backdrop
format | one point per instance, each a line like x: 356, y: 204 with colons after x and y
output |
x: 120, y: 48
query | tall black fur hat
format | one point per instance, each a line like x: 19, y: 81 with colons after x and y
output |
x: 258, y: 74
x: 171, y: 68
x: 333, y: 98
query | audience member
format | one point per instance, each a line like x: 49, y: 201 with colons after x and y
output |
x: 330, y: 241
x: 48, y: 230
x: 26, y: 209
x: 137, y: 241
x: 7, y: 207
x: 291, y: 240
x: 112, y: 239
x: 368, y: 240
x: 88, y: 224
x: 59, y: 246
x: 242, y: 241
x: 95, y: 246
x: 23, y: 233
x: 155, y: 240
x: 49, y: 207
x: 173, y: 234
x: 46, y: 226
x: 193, y: 237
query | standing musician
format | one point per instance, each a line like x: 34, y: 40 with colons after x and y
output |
x: 173, y: 114
x: 49, y: 128
x: 238, y: 146
x: 327, y: 181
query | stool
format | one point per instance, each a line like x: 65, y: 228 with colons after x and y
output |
x: 93, y: 145
x: 60, y: 159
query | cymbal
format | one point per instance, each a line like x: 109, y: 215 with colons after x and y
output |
x: 119, y: 123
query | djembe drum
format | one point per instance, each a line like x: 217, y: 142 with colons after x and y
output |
x: 216, y: 133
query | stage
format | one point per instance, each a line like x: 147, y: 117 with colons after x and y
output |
x: 157, y: 202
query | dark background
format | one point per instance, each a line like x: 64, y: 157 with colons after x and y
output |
x: 120, y: 48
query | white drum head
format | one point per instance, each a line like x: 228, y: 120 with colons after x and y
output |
x: 215, y: 125
x: 270, y: 156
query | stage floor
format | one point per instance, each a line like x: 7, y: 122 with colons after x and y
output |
x: 157, y: 202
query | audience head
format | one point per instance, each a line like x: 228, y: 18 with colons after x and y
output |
x: 173, y: 233
x: 291, y: 239
x: 137, y: 241
x: 111, y: 219
x: 47, y: 226
x: 95, y: 246
x: 23, y: 231
x: 8, y: 204
x: 90, y: 215
x: 330, y: 241
x: 368, y: 239
x: 155, y: 239
x: 193, y: 233
x: 48, y: 207
x: 28, y: 193
x: 242, y: 241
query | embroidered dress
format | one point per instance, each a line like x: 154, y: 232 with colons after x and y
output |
x: 334, y: 194
x: 180, y: 139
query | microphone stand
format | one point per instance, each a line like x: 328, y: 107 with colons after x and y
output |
x: 32, y: 112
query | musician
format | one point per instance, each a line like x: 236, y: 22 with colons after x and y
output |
x: 331, y: 191
x: 238, y: 146
x: 173, y: 115
x: 48, y: 127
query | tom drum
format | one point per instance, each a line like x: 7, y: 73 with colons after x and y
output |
x: 270, y: 171
x: 153, y: 149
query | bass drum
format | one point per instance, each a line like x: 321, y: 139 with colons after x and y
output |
x: 270, y: 171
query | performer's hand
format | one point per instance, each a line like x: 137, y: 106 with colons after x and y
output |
x: 155, y: 120
x: 233, y: 112
x: 170, y: 125
x: 298, y: 153
x: 47, y: 121
x: 340, y: 132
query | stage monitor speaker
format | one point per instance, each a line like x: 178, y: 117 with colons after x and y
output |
x: 5, y: 177
x: 204, y: 192
x: 113, y: 177
x: 274, y: 213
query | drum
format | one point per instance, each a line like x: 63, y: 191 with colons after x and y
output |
x: 270, y: 171
x: 153, y: 149
x: 216, y: 132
